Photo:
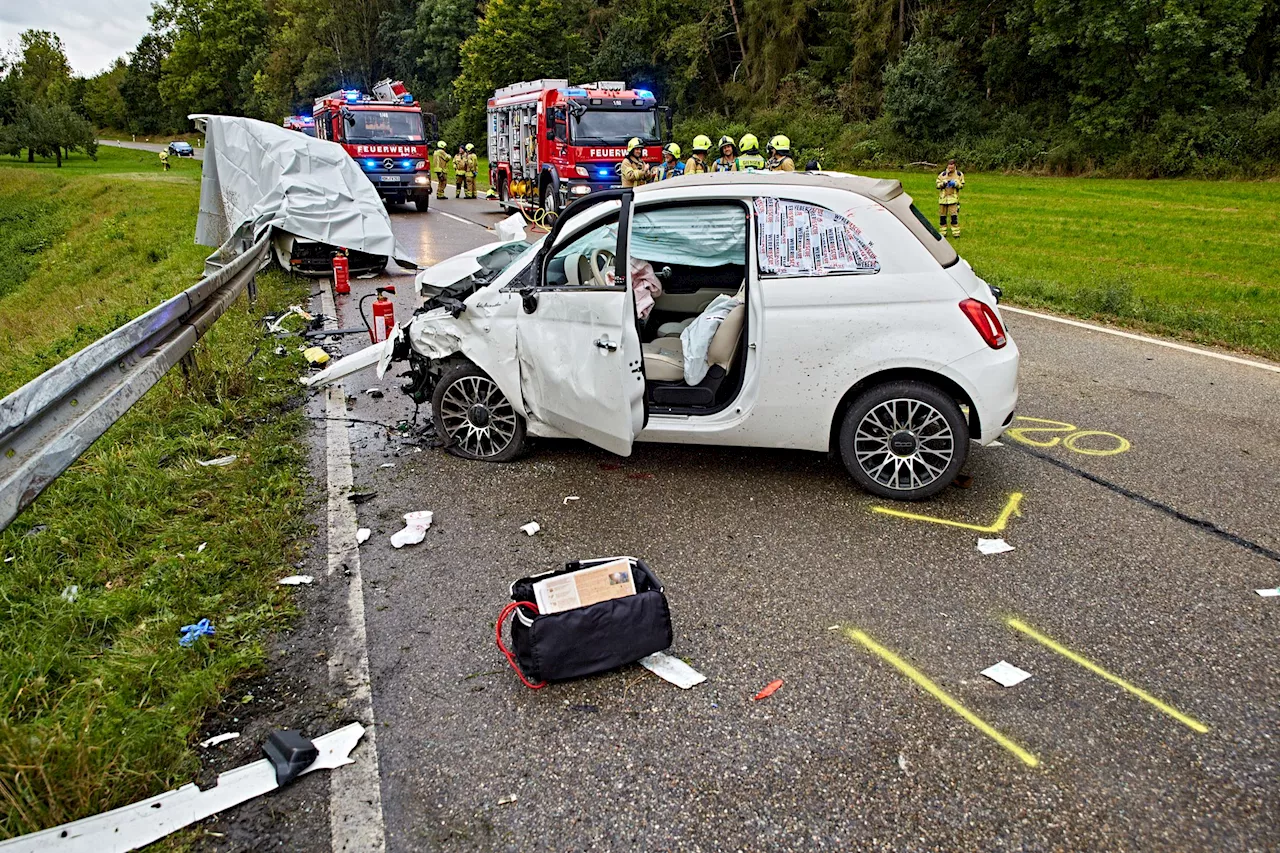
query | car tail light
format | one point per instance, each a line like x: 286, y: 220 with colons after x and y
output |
x: 984, y: 319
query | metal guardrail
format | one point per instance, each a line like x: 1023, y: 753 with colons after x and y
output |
x: 46, y: 424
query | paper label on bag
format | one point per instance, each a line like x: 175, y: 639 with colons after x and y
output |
x: 585, y: 586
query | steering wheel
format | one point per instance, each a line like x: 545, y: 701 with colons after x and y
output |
x: 602, y: 260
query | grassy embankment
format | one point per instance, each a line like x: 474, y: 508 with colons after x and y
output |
x: 98, y: 703
x: 1189, y: 259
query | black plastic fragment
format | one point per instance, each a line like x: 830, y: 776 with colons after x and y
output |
x: 290, y: 753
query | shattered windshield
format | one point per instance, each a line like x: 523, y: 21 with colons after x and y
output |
x: 615, y: 127
x: 384, y: 126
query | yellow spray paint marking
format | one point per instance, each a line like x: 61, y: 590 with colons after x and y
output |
x: 1002, y: 520
x: 1189, y: 722
x: 1068, y: 435
x: 941, y: 695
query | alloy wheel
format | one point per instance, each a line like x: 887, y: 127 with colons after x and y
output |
x: 904, y: 444
x: 477, y: 416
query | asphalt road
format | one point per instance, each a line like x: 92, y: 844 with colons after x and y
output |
x: 774, y: 561
x: 146, y: 146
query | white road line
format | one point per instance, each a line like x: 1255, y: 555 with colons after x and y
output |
x: 1131, y: 336
x: 355, y: 795
x: 465, y: 221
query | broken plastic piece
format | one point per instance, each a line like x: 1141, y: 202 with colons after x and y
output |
x: 217, y: 739
x: 70, y: 594
x: 415, y: 529
x: 387, y: 465
x: 289, y: 753
x: 201, y: 547
x: 219, y: 462
x: 570, y: 498
x: 530, y: 528
x: 296, y: 580
x: 1268, y: 593
x: 993, y: 546
x: 1006, y: 674
x: 315, y: 355
x: 769, y: 689
x: 362, y: 535
x: 507, y: 800
x: 672, y: 669
x: 191, y: 633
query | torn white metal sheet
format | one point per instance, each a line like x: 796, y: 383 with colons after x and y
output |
x: 374, y: 354
x: 258, y: 175
x: 140, y: 824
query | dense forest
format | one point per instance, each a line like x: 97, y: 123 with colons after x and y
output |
x: 1138, y: 87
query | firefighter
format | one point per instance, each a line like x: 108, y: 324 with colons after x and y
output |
x: 750, y: 160
x: 950, y: 182
x: 459, y: 170
x: 164, y: 160
x: 440, y: 162
x: 780, y: 155
x: 472, y: 167
x: 697, y: 164
x: 671, y: 166
x: 728, y: 159
x: 633, y: 169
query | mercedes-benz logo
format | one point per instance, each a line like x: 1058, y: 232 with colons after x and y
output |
x: 388, y: 164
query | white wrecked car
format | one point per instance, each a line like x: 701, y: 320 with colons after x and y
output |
x: 818, y: 311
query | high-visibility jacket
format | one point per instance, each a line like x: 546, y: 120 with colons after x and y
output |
x: 782, y: 163
x: 751, y: 162
x: 949, y: 186
x: 471, y: 165
x: 634, y: 173
x: 440, y: 160
x: 694, y: 166
x: 722, y: 165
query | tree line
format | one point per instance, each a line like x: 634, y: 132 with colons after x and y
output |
x: 1142, y: 87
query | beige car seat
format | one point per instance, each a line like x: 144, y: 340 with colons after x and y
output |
x: 664, y: 357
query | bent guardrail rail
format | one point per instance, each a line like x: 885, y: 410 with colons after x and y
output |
x: 48, y: 423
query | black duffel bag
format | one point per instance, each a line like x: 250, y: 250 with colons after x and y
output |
x: 585, y: 640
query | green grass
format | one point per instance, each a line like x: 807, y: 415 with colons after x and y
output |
x: 99, y: 705
x: 1190, y: 259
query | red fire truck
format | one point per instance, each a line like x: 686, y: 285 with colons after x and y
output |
x: 550, y: 142
x: 385, y: 134
x: 302, y: 124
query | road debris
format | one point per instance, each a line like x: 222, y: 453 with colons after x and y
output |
x: 387, y: 465
x: 903, y: 764
x: 769, y: 689
x: 1006, y: 674
x: 362, y: 535
x: 217, y: 463
x: 191, y: 633
x: 201, y: 547
x: 217, y: 739
x: 509, y: 799
x: 361, y: 497
x: 296, y: 580
x: 1268, y: 593
x: 570, y: 498
x: 415, y: 529
x: 672, y: 669
x: 144, y: 822
x: 315, y: 355
x: 375, y: 393
x: 963, y: 481
x: 993, y: 546
x: 9, y: 559
x: 70, y: 594
x: 531, y: 528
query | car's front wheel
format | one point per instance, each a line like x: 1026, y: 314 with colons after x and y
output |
x: 422, y: 201
x: 904, y: 440
x: 476, y: 419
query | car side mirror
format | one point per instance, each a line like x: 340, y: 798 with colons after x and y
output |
x: 529, y: 300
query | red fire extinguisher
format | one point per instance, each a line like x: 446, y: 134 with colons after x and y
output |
x: 341, y: 272
x: 384, y: 314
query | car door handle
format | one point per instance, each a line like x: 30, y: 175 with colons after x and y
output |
x: 606, y: 345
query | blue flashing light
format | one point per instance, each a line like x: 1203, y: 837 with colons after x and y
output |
x: 353, y: 95
x: 576, y: 93
x: 644, y: 93
x: 408, y: 99
x: 406, y: 164
x: 604, y: 173
x: 371, y: 164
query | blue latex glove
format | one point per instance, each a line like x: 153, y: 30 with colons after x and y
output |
x: 191, y: 633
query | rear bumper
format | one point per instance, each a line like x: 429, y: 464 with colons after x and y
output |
x: 991, y: 379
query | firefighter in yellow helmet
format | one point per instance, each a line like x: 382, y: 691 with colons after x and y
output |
x: 780, y: 155
x: 440, y: 163
x: 728, y: 159
x: 950, y: 182
x: 671, y: 166
x: 471, y: 167
x: 164, y: 159
x: 633, y: 169
x: 459, y: 171
x: 697, y: 164
x: 749, y: 159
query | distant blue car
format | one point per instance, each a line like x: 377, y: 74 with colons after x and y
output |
x: 181, y: 149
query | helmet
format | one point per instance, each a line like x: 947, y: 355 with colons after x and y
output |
x: 672, y: 149
x: 633, y: 143
x: 780, y: 143
x: 726, y: 140
x: 470, y: 147
x: 748, y: 142
x: 701, y: 143
x: 441, y: 145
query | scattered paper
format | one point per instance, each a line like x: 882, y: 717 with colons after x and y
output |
x: 415, y: 529
x: 903, y: 764
x: 296, y: 580
x: 993, y: 546
x: 995, y: 444
x: 570, y: 498
x: 387, y: 465
x: 362, y: 535
x: 71, y: 593
x: 530, y: 528
x: 201, y: 547
x: 672, y: 669
x: 220, y: 461
x: 769, y: 689
x: 507, y: 800
x: 217, y: 739
x: 1265, y: 593
x: 1006, y: 674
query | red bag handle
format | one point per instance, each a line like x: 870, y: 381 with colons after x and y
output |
x: 511, y: 658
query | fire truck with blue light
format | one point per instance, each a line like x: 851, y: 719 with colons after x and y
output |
x: 385, y: 133
x: 302, y: 124
x: 550, y: 143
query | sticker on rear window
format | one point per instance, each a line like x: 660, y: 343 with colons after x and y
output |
x: 797, y: 239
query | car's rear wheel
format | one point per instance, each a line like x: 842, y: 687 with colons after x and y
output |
x: 475, y: 417
x: 904, y: 440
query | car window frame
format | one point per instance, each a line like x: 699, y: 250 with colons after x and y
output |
x: 810, y: 274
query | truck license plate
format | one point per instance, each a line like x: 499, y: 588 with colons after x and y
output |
x: 391, y: 179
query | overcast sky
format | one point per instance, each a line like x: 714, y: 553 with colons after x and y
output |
x: 94, y: 32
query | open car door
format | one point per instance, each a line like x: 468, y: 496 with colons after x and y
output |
x: 581, y: 368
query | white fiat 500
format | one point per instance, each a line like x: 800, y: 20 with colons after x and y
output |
x: 816, y: 311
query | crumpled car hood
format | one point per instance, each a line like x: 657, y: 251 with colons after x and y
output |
x: 452, y: 270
